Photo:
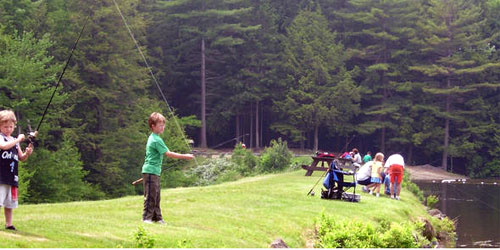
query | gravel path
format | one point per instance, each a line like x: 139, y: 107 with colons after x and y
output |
x: 428, y: 172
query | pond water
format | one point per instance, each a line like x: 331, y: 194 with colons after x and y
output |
x: 474, y: 204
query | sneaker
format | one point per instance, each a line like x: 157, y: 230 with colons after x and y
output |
x: 365, y: 189
x: 371, y: 192
x: 11, y: 227
x: 397, y: 198
x: 147, y: 221
x: 378, y: 195
x: 161, y: 222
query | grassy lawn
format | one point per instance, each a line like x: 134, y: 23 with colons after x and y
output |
x: 249, y: 213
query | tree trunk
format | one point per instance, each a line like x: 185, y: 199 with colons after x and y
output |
x: 383, y: 117
x: 302, y: 141
x: 316, y: 129
x: 251, y: 126
x: 262, y: 127
x: 444, y: 161
x: 238, y: 139
x: 257, y: 125
x: 203, y: 136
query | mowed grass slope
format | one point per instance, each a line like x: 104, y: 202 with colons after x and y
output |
x: 251, y: 212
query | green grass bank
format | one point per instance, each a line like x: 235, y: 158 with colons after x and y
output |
x: 248, y: 213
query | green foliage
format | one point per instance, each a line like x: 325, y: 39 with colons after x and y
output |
x: 171, y: 178
x: 315, y: 72
x: 24, y: 182
x: 276, y: 157
x: 444, y: 225
x: 245, y: 159
x: 16, y: 15
x: 58, y: 176
x: 352, y: 233
x: 478, y: 168
x: 412, y: 187
x: 214, y: 171
x: 184, y: 244
x: 143, y: 239
x: 431, y: 201
x: 375, y: 69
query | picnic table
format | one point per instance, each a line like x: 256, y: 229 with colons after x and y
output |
x: 340, y: 162
x: 314, y: 166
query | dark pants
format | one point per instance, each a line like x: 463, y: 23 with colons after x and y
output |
x: 387, y: 183
x: 152, y: 195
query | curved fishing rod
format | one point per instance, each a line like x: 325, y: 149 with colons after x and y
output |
x: 347, y: 144
x: 62, y: 73
x: 152, y: 75
x: 224, y: 142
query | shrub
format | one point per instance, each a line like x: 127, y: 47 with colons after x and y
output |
x: 275, y: 158
x: 357, y: 234
x: 443, y: 225
x: 399, y: 236
x: 212, y: 170
x: 143, y: 239
x: 431, y: 201
x: 412, y: 187
x: 245, y: 159
x: 176, y: 178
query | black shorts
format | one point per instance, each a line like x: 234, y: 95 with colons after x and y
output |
x: 365, y: 182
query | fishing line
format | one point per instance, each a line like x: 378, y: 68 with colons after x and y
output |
x: 474, y: 197
x: 152, y: 75
x: 62, y: 73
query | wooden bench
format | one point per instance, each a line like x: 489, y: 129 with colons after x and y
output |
x: 314, y: 166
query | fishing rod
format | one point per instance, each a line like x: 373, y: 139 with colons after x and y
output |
x: 61, y: 76
x: 347, y: 144
x: 321, y: 177
x: 224, y: 142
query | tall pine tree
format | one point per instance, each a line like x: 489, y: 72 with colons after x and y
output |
x: 318, y: 79
x: 450, y: 40
x: 206, y: 31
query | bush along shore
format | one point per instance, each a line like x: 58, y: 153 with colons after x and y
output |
x: 432, y: 230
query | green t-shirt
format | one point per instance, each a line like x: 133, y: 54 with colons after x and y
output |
x: 155, y: 149
x: 367, y: 158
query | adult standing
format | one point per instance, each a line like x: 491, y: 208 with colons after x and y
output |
x: 395, y: 166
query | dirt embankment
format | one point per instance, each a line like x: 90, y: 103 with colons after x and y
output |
x: 429, y: 172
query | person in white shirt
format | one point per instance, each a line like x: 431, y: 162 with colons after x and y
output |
x: 395, y: 167
x: 357, y: 161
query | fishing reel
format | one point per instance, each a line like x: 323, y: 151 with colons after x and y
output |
x: 31, y: 137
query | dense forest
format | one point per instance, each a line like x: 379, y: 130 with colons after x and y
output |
x: 418, y: 77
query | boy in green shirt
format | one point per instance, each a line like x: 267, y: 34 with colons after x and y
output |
x: 151, y: 170
x: 368, y: 157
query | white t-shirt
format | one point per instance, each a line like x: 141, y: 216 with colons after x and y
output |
x: 394, y: 159
x: 365, y: 171
x: 357, y: 159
